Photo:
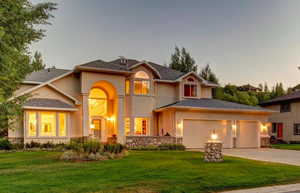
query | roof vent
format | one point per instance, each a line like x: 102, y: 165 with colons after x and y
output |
x: 123, y: 60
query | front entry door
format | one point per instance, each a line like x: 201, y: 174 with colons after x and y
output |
x: 98, y: 129
x: 279, y: 130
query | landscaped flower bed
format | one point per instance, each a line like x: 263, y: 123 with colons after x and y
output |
x: 76, y: 150
x: 93, y: 151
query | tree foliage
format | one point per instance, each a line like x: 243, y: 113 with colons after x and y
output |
x: 182, y: 61
x: 231, y: 93
x: 19, y: 21
x: 207, y: 74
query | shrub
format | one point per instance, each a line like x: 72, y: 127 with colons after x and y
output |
x: 32, y: 144
x: 48, y: 145
x: 160, y: 147
x: 114, y: 148
x: 171, y: 147
x: 5, y: 144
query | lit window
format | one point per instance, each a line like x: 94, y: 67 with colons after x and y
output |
x: 141, y: 126
x: 127, y: 87
x: 190, y: 90
x: 127, y: 126
x: 32, y: 124
x: 48, y: 124
x: 141, y: 75
x: 62, y: 118
x: 141, y: 87
x: 97, y: 102
x: 142, y: 83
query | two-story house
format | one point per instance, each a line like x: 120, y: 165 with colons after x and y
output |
x: 134, y: 101
x: 286, y: 124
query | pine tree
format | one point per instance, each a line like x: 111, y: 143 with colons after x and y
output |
x: 182, y: 61
x: 207, y: 74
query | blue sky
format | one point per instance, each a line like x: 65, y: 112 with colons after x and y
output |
x: 245, y: 41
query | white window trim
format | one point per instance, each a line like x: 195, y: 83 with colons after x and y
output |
x: 190, y: 83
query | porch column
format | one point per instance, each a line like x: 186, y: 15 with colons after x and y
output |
x: 120, y: 120
x: 85, y: 115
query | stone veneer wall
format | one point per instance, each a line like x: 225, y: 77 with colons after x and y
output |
x: 137, y: 141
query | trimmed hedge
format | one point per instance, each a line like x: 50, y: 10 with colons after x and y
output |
x: 5, y: 144
x: 178, y: 147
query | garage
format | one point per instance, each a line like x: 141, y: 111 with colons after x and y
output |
x: 197, y: 132
x: 248, y: 134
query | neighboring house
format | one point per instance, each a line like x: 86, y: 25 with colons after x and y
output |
x: 286, y: 124
x: 137, y: 102
x: 250, y: 88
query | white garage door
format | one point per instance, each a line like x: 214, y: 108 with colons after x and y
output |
x: 248, y: 135
x: 197, y: 132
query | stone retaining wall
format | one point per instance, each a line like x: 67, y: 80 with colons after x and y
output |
x: 138, y: 141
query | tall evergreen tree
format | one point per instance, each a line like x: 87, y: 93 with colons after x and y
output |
x: 182, y: 61
x: 19, y: 27
x: 37, y: 62
x: 207, y: 74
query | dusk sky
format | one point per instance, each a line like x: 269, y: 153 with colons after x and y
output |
x: 245, y: 41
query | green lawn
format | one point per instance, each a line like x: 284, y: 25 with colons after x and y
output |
x: 141, y: 171
x: 287, y: 146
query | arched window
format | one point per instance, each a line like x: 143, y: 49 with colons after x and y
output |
x: 97, y: 102
x: 141, y: 75
x: 141, y: 83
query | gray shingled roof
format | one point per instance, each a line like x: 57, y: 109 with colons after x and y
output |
x: 105, y: 65
x: 165, y: 72
x: 295, y: 96
x: 48, y: 103
x: 214, y: 104
x: 45, y: 75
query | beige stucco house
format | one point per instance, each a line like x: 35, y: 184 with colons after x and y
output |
x: 136, y: 102
x: 286, y: 124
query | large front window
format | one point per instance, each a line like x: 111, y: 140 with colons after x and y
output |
x: 50, y: 124
x: 97, y: 102
x: 141, y: 83
x: 140, y: 126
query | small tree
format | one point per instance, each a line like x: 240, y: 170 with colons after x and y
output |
x: 207, y: 74
x: 182, y: 61
x: 19, y: 21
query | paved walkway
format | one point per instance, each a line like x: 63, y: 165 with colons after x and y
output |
x: 266, y: 154
x: 291, y: 188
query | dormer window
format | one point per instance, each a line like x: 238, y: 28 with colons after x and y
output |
x: 141, y: 83
x: 190, y: 88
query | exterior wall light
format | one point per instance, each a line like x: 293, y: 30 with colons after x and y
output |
x: 214, y: 136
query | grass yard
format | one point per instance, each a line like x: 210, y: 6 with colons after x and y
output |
x: 287, y: 146
x: 141, y: 171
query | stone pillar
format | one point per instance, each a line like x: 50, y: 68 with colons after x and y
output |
x: 85, y: 115
x: 213, y: 152
x: 120, y: 120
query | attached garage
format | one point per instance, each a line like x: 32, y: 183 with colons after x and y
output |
x: 194, y: 120
x: 197, y: 132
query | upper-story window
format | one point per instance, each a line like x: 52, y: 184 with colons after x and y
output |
x: 141, y: 83
x: 285, y: 107
x: 190, y: 88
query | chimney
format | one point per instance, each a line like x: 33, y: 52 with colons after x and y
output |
x: 123, y: 60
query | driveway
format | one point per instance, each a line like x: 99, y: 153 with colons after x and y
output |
x: 265, y: 154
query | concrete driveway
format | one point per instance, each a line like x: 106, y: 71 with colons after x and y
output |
x: 265, y: 154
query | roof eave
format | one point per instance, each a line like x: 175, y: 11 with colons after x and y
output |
x: 217, y: 109
x: 93, y: 69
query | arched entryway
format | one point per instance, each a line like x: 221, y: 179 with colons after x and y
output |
x: 102, y: 111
